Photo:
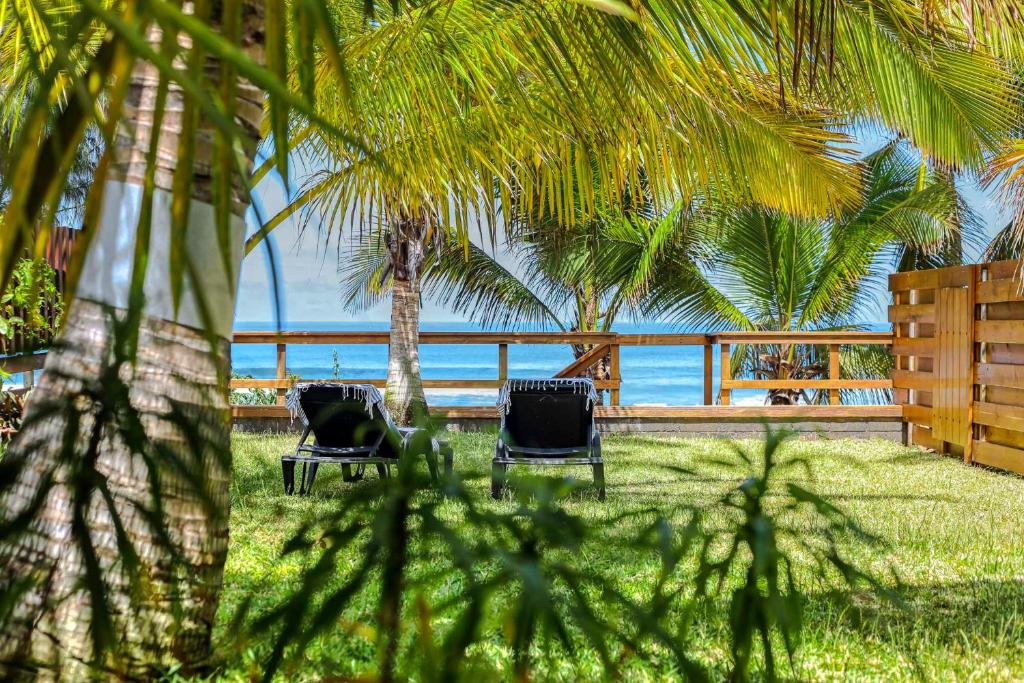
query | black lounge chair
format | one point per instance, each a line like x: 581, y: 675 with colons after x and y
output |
x: 351, y: 427
x: 547, y: 422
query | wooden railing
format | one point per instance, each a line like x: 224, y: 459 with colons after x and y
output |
x: 605, y: 345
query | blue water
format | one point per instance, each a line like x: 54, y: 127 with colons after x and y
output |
x: 651, y: 375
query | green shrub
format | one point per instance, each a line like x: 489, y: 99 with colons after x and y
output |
x: 32, y: 304
x: 251, y: 397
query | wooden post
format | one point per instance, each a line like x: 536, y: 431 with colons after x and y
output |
x: 973, y: 273
x: 502, y: 362
x: 726, y: 373
x: 282, y: 372
x: 709, y: 378
x: 616, y: 376
x: 833, y: 372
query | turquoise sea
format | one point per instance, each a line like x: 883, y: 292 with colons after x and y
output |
x: 651, y: 375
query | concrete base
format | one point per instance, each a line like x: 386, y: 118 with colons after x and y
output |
x: 889, y: 428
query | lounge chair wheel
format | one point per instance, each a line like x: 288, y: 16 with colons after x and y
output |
x: 497, y: 479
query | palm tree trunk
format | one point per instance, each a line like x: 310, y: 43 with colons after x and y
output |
x: 123, y: 464
x: 404, y: 395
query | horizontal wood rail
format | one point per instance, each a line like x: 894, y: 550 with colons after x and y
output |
x: 815, y: 412
x: 598, y: 346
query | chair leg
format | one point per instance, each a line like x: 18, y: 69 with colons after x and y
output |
x: 346, y: 473
x: 449, y: 460
x: 288, y: 474
x: 432, y: 462
x: 313, y: 467
x: 497, y: 479
x: 382, y: 470
x: 302, y: 479
x: 599, y: 480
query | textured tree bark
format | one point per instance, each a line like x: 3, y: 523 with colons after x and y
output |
x: 126, y: 455
x: 404, y: 395
x: 406, y: 240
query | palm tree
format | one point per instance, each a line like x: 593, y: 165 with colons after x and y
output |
x: 578, y: 278
x: 460, y: 142
x: 1007, y: 171
x: 767, y: 271
x: 124, y: 447
x: 451, y: 135
x: 114, y: 497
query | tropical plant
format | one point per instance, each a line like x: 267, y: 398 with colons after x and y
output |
x: 508, y: 568
x: 1007, y: 171
x: 251, y: 397
x: 32, y: 306
x: 453, y: 135
x: 461, y: 142
x: 104, y: 568
x: 579, y: 278
x: 767, y: 271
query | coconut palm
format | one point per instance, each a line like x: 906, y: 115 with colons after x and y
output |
x: 578, y: 278
x: 135, y: 385
x: 1007, y: 171
x: 114, y: 498
x: 767, y: 271
x: 459, y: 143
x: 454, y: 135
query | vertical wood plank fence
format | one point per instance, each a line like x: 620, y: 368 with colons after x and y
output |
x: 958, y: 342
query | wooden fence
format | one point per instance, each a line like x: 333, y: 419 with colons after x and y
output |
x: 605, y: 345
x: 958, y: 342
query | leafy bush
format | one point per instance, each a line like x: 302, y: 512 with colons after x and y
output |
x: 251, y: 397
x: 32, y: 305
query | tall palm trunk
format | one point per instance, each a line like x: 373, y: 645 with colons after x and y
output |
x: 125, y: 454
x: 404, y: 394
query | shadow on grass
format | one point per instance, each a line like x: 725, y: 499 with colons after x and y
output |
x: 954, y: 617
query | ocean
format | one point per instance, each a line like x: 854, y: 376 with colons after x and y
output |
x: 651, y: 375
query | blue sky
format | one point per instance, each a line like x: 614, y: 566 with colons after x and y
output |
x: 307, y: 267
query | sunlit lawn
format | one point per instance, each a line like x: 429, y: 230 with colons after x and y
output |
x: 952, y: 541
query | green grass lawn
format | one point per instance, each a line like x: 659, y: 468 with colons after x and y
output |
x: 951, y: 544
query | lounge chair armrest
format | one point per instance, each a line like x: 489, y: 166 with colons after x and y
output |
x: 412, y: 434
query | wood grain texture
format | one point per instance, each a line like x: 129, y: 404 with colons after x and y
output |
x: 952, y: 378
x: 912, y: 313
x: 995, y: 455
